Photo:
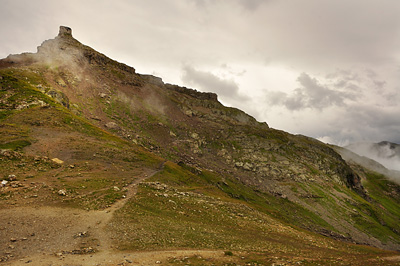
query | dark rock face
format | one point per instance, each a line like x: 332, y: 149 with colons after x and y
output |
x: 193, y: 93
x: 59, y: 97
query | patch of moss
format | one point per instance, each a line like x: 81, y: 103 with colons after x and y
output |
x: 15, y: 145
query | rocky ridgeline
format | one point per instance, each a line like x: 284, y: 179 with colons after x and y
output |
x: 193, y: 93
x: 266, y: 160
x: 259, y: 156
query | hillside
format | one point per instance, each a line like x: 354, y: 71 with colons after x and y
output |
x: 105, y: 165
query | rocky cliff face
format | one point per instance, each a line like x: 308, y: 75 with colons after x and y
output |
x: 68, y: 91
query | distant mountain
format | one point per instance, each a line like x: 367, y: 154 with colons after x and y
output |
x: 386, y: 153
x: 99, y: 162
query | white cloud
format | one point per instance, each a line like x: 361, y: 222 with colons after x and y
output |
x: 206, y: 81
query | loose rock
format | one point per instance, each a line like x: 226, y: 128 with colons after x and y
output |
x: 62, y: 192
x: 57, y: 161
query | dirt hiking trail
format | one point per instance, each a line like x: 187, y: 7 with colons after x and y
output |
x: 55, y: 236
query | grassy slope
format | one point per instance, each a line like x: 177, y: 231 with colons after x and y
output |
x: 95, y: 160
x: 178, y: 209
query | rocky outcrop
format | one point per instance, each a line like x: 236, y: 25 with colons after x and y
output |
x: 59, y: 97
x: 153, y: 80
x: 65, y: 32
x: 193, y: 93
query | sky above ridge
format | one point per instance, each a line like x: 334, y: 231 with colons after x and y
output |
x: 325, y: 69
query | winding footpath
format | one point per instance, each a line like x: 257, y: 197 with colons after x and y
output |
x: 60, y: 249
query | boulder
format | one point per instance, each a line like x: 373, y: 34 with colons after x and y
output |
x: 112, y: 125
x: 3, y: 183
x: 57, y: 161
x: 12, y: 178
x: 59, y: 96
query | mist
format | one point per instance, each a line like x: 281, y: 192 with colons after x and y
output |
x: 385, y: 153
x: 367, y: 162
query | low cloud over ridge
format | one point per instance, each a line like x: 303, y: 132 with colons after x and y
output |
x: 207, y: 81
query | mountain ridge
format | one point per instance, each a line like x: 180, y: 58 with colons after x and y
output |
x: 108, y: 125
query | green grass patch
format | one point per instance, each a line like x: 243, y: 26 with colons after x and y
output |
x: 92, y: 193
x: 189, y: 220
x: 381, y: 216
x: 15, y: 145
x: 209, y: 186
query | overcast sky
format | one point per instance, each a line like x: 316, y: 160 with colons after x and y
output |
x: 325, y: 69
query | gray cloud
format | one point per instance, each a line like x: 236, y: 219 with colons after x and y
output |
x: 252, y: 4
x: 312, y: 94
x: 309, y: 35
x: 318, y: 34
x: 207, y: 81
x: 343, y: 107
